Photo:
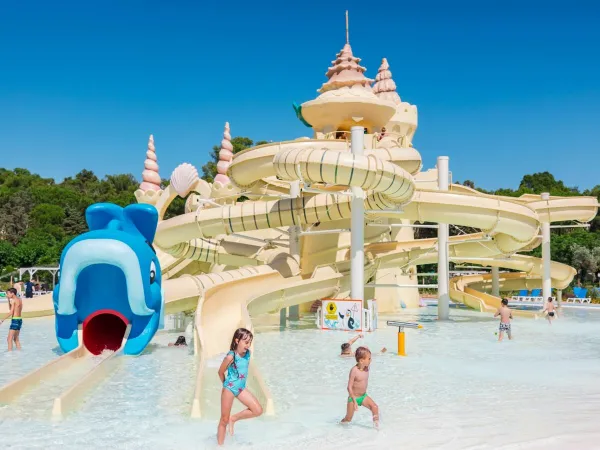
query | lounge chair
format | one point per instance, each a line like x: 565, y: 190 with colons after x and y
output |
x: 580, y: 296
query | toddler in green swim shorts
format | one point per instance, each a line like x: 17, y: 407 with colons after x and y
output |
x: 358, y: 382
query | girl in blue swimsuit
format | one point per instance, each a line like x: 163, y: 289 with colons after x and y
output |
x: 234, y: 374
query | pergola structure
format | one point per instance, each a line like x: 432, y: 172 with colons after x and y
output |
x: 33, y: 270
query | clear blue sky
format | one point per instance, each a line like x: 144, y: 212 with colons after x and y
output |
x: 504, y: 88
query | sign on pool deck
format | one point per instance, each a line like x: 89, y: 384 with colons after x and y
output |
x: 342, y: 315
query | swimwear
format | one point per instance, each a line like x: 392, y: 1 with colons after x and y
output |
x: 504, y: 326
x: 551, y: 313
x: 237, y: 373
x: 16, y: 323
x: 359, y: 400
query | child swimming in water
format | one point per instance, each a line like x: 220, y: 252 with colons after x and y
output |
x: 347, y: 346
x: 358, y: 382
x: 234, y: 374
x: 180, y: 342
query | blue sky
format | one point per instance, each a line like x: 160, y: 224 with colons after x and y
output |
x: 503, y: 88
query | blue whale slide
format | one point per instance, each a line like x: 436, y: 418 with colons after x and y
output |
x: 109, y: 281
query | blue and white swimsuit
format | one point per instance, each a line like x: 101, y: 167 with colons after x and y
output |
x: 237, y: 373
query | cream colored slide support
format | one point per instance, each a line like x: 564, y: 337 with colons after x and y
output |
x: 72, y: 397
x: 16, y: 388
x: 227, y: 306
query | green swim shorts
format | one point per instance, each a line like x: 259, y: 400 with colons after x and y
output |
x: 359, y: 400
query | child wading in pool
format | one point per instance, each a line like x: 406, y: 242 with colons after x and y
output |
x: 550, y: 309
x: 347, y: 346
x: 357, y: 387
x: 233, y: 374
x: 505, y: 316
x: 16, y: 307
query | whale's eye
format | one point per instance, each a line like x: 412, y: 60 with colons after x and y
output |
x: 152, y: 272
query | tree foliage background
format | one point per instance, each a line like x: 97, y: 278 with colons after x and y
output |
x: 40, y: 216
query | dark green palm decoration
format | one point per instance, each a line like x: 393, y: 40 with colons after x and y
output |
x: 298, y: 110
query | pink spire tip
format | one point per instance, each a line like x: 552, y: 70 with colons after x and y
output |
x: 150, y: 176
x: 225, y: 157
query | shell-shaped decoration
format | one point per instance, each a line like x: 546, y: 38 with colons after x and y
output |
x: 183, y: 179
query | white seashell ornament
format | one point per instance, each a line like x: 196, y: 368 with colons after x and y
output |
x: 183, y: 179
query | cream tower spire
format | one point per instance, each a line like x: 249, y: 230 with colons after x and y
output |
x: 404, y: 122
x: 385, y: 87
x: 150, y: 176
x: 346, y: 98
x: 225, y: 157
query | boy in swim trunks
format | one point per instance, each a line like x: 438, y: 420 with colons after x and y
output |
x: 357, y: 387
x: 16, y: 307
x: 505, y: 316
x: 550, y: 310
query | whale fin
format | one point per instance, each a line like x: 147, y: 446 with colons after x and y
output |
x: 144, y: 218
x: 99, y: 215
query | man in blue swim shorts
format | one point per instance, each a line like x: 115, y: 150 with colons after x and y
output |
x: 16, y: 308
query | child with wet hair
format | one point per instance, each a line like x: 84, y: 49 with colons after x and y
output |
x: 358, y: 382
x: 234, y: 375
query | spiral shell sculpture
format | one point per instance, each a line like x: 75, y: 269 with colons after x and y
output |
x: 150, y: 176
x: 225, y: 157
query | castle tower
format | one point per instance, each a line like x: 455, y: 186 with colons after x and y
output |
x: 404, y: 122
x: 346, y: 98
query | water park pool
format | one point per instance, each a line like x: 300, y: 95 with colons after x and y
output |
x: 456, y: 388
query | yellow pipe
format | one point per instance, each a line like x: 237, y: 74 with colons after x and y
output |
x: 401, y: 342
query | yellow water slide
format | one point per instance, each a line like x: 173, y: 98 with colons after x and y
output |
x: 225, y: 304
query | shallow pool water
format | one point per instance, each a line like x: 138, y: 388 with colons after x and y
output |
x: 457, y: 388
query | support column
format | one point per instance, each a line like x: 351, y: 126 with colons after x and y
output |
x: 282, y: 317
x: 546, y: 261
x: 496, y: 281
x: 357, y: 224
x: 559, y: 298
x: 294, y: 231
x: 443, y: 230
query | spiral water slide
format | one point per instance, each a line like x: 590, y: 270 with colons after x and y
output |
x: 512, y: 225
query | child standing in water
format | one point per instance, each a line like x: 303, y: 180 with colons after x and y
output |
x: 16, y: 308
x: 357, y: 387
x: 551, y: 310
x: 505, y: 316
x: 233, y: 374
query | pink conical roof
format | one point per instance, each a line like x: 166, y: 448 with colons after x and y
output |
x: 225, y: 156
x: 150, y: 176
x: 345, y: 72
x: 385, y: 87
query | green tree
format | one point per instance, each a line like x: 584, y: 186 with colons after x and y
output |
x: 74, y: 222
x: 6, y: 255
x: 45, y: 214
x: 586, y: 261
x: 545, y: 182
x: 16, y: 216
x: 209, y: 170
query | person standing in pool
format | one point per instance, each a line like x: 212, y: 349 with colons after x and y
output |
x: 29, y: 289
x: 358, y: 382
x: 234, y: 374
x: 550, y: 311
x: 505, y: 317
x: 16, y: 308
